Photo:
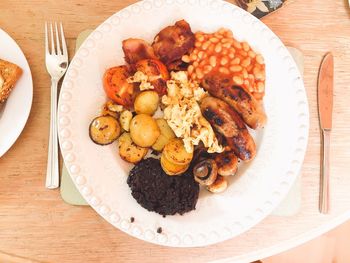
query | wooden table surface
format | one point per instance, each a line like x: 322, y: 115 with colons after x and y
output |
x: 36, y: 224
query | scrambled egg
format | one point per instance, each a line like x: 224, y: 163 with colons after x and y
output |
x: 184, y: 116
x: 114, y: 107
x: 141, y: 77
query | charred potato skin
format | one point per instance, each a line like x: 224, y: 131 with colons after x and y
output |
x: 109, y: 141
x: 129, y: 151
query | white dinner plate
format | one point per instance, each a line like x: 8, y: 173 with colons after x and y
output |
x: 100, y: 174
x: 18, y: 105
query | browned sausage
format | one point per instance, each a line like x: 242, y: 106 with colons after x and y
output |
x: 221, y: 116
x: 227, y: 163
x: 243, y: 146
x: 237, y: 97
x: 228, y: 123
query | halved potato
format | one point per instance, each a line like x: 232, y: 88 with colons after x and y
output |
x: 165, y: 128
x: 104, y: 130
x: 146, y: 102
x: 160, y: 143
x: 144, y: 130
x: 125, y: 119
x: 129, y: 151
x: 176, y: 153
x: 171, y: 168
x: 166, y: 133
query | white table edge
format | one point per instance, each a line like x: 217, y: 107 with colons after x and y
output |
x: 287, y: 244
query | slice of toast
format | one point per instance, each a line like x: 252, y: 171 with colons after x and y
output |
x: 9, y: 74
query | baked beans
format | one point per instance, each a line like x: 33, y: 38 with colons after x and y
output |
x: 220, y: 52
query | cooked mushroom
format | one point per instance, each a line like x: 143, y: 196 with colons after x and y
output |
x: 219, y: 185
x: 205, y: 172
x: 200, y: 153
x: 227, y: 163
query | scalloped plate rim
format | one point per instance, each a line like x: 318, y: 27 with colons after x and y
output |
x: 99, y: 207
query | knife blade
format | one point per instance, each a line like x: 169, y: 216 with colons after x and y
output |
x: 325, y: 107
x: 325, y: 91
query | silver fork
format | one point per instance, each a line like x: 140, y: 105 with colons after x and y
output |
x: 56, y: 64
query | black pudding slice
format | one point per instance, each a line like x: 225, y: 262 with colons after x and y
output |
x: 154, y: 190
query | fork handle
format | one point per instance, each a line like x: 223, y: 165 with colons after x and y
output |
x: 52, y: 173
x: 325, y: 172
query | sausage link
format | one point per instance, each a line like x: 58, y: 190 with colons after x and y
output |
x: 221, y: 116
x: 227, y: 122
x: 237, y: 97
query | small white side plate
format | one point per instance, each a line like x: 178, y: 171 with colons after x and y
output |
x: 18, y: 105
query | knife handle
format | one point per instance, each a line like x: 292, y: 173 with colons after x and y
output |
x: 325, y: 172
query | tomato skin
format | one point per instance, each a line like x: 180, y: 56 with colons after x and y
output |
x: 117, y: 87
x: 157, y: 73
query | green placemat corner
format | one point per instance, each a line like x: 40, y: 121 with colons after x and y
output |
x: 69, y: 192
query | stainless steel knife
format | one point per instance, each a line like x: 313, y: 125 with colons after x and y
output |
x: 325, y: 107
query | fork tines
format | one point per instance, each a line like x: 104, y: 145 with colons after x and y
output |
x: 61, y: 47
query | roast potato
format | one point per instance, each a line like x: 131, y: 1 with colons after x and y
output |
x: 144, y: 130
x: 129, y: 151
x: 104, y: 130
x: 170, y: 168
x: 160, y: 143
x: 125, y: 119
x: 176, y: 153
x: 146, y: 102
x: 165, y: 128
x: 166, y: 133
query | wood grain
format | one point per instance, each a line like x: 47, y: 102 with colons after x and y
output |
x: 35, y: 223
